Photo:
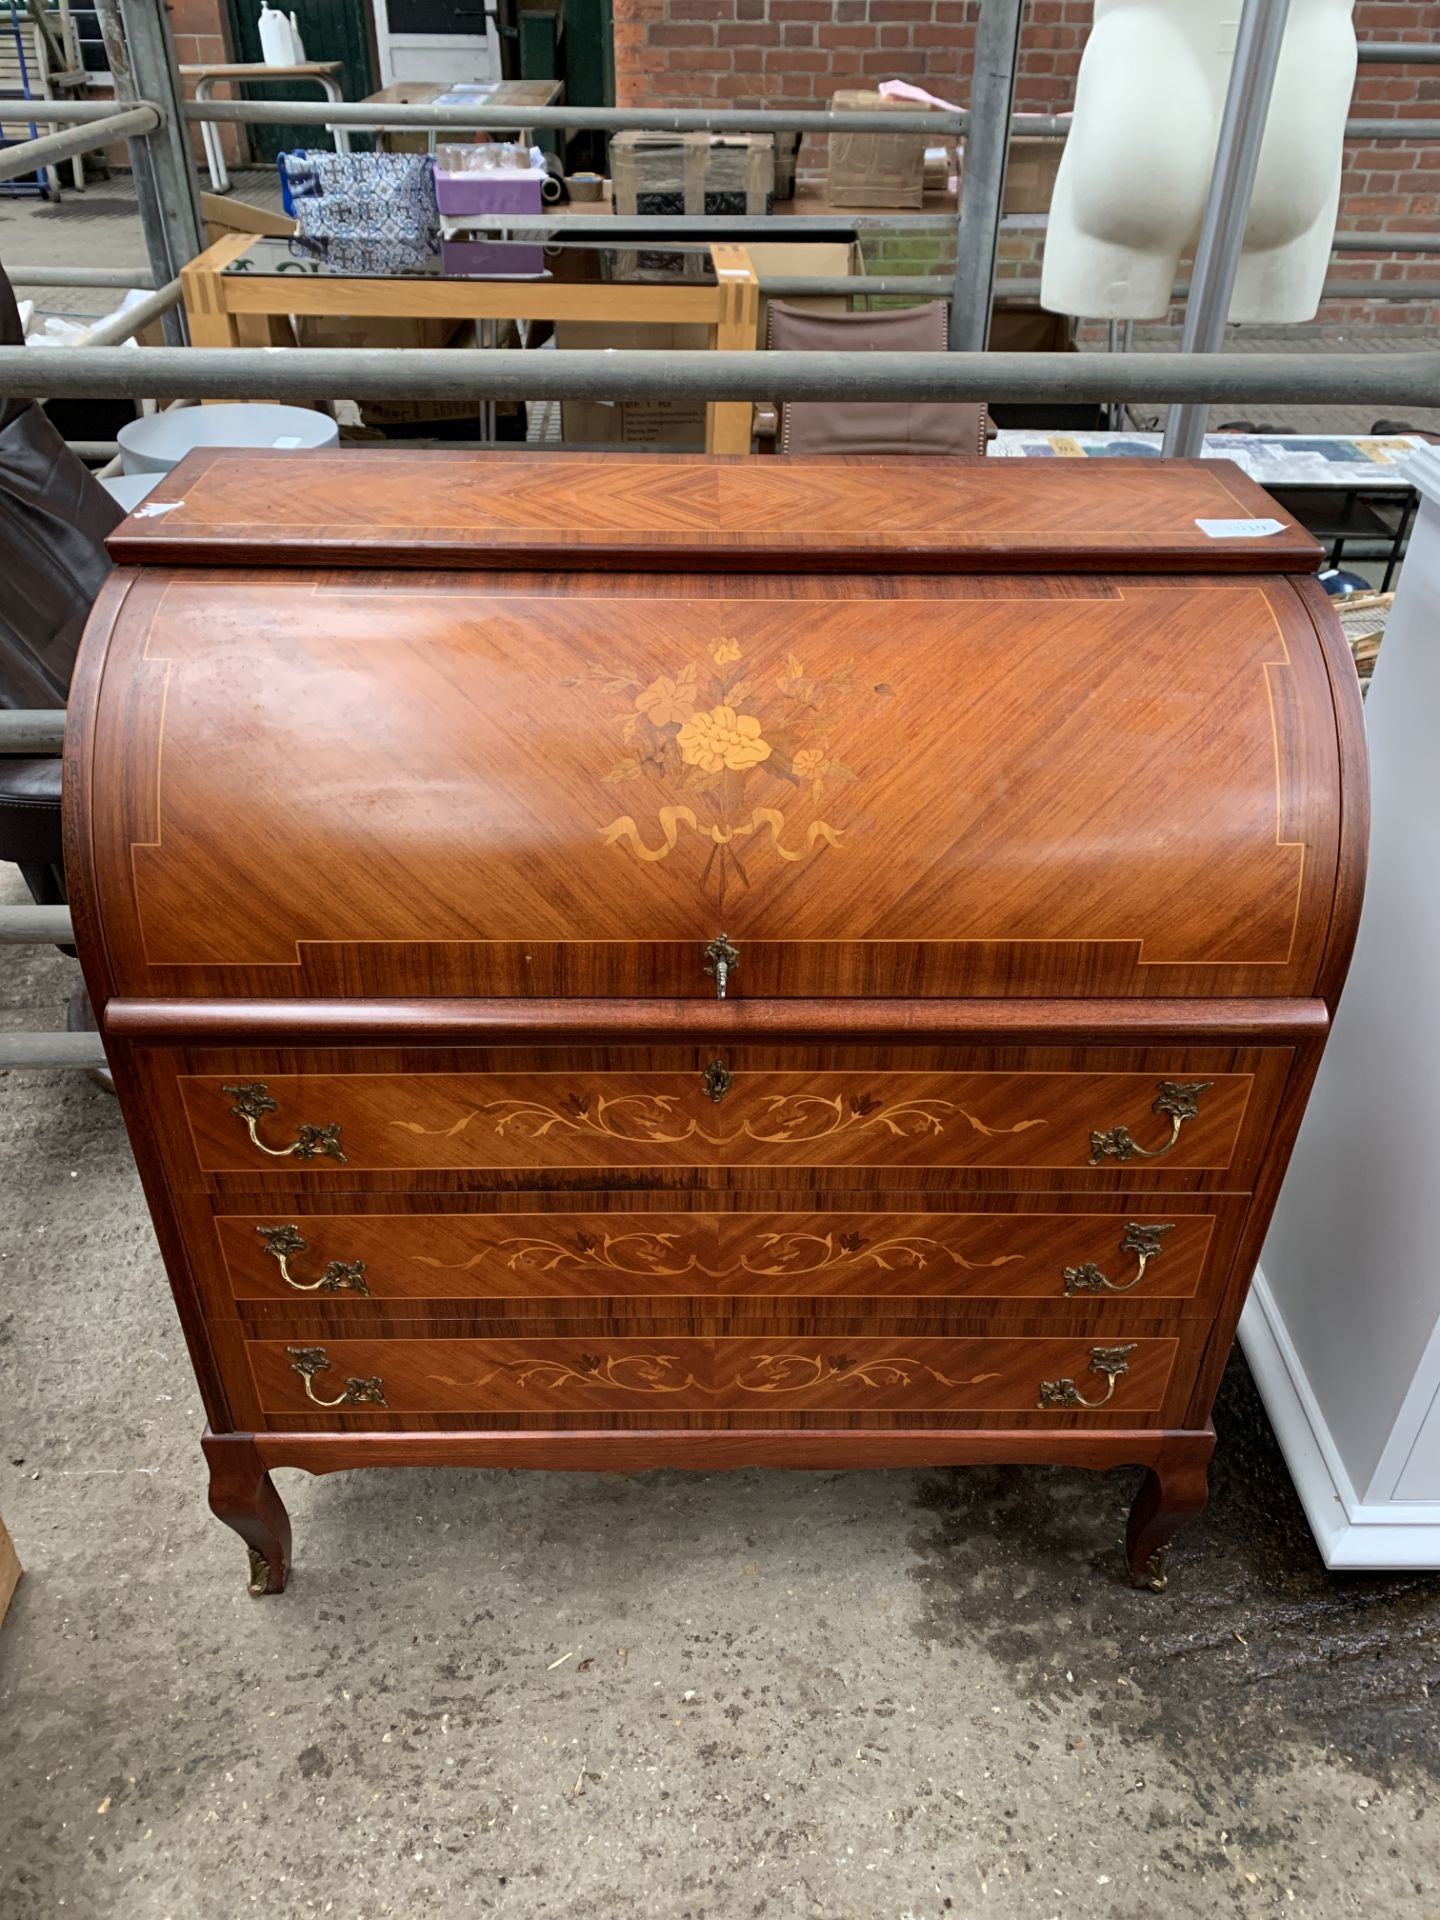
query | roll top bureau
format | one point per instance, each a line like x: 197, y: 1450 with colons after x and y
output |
x: 620, y: 962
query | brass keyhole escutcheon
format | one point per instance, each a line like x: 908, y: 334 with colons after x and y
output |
x: 717, y: 1080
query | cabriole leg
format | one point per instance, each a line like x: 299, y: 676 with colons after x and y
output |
x: 243, y: 1495
x: 1173, y: 1492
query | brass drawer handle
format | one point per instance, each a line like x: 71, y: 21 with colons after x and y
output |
x: 308, y: 1361
x: 717, y: 1081
x: 1177, y: 1103
x: 340, y: 1276
x: 1112, y: 1361
x: 253, y: 1102
x: 1145, y: 1242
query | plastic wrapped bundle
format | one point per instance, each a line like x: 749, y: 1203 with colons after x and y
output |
x: 362, y: 212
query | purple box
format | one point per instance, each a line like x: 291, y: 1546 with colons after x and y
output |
x: 464, y: 193
x: 491, y: 259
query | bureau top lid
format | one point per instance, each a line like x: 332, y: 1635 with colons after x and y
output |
x: 662, y: 511
x: 346, y: 782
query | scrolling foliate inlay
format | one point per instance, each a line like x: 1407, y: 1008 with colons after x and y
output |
x: 746, y: 759
x: 664, y: 1373
x: 647, y: 1255
x: 655, y: 1119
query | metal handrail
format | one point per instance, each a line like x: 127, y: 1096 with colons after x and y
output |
x: 115, y: 328
x: 1398, y: 53
x: 1408, y: 379
x: 359, y: 113
x: 369, y: 114
x: 32, y: 730
x: 36, y: 926
x: 124, y: 277
x: 33, y: 156
x: 77, y: 1050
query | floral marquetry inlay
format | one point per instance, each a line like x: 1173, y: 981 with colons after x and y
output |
x: 744, y: 760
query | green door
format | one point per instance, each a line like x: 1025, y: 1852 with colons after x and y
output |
x: 332, y: 30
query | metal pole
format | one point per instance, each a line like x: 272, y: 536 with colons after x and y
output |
x: 1398, y: 53
x: 142, y: 59
x: 365, y: 114
x: 1352, y: 242
x: 156, y: 74
x: 31, y: 156
x: 609, y: 227
x: 247, y: 373
x: 52, y: 1050
x: 982, y: 189
x: 152, y: 222
x: 81, y: 277
x: 1222, y: 231
x: 36, y: 926
x: 121, y: 326
x: 32, y: 730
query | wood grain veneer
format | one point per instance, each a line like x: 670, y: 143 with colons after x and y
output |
x: 573, y: 1259
x: 414, y: 787
x: 672, y: 511
x: 574, y: 851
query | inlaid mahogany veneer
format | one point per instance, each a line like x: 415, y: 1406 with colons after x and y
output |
x: 537, y: 1261
x: 623, y: 962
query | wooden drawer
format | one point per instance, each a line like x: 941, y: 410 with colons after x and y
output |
x: 373, y: 1381
x: 331, y: 1127
x: 519, y: 1260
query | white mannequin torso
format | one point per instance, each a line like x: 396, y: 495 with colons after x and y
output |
x: 1133, y: 178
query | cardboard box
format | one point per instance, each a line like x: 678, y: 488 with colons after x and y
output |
x: 336, y: 330
x: 692, y: 172
x: 1030, y: 172
x: 875, y: 169
x: 632, y: 423
x: 679, y: 173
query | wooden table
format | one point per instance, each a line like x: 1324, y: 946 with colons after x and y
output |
x: 519, y: 95
x: 211, y: 74
x: 239, y: 309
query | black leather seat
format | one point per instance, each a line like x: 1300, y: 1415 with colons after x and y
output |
x: 54, y: 516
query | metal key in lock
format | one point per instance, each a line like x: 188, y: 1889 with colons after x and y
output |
x: 721, y: 960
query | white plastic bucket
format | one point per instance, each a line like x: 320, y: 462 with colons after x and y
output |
x: 161, y: 440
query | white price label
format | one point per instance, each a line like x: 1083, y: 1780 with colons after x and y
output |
x: 288, y: 440
x: 1239, y: 529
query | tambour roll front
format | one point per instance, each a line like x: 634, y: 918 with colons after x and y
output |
x: 623, y: 962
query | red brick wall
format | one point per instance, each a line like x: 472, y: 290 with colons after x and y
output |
x: 202, y: 37
x: 201, y: 32
x: 755, y: 53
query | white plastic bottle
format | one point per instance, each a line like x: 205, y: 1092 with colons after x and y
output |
x: 276, y: 47
x: 297, y: 43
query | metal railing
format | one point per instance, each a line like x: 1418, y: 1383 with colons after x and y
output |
x: 48, y: 149
x: 413, y: 373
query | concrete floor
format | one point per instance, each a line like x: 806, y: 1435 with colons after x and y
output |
x: 830, y: 1696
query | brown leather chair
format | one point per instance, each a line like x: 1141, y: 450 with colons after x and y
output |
x: 930, y: 427
x: 54, y: 516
